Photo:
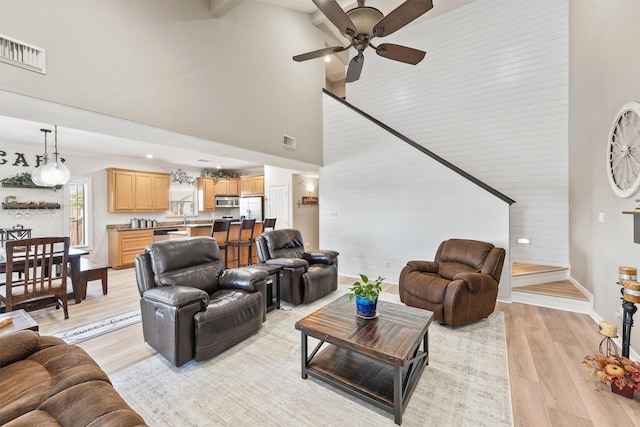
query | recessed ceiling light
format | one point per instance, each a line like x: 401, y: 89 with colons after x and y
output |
x: 218, y: 166
x: 327, y: 58
x: 149, y: 156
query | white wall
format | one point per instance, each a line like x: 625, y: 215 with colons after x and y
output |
x: 306, y: 217
x: 383, y: 203
x: 605, y: 70
x: 491, y: 97
x: 172, y: 65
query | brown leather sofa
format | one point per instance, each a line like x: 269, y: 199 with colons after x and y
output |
x: 44, y: 381
x: 460, y: 286
x: 305, y: 276
x: 192, y: 308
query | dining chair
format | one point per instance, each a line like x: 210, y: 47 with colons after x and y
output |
x: 220, y: 231
x: 268, y: 223
x: 245, y: 239
x: 41, y: 264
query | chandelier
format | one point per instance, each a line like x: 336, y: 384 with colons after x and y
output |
x: 50, y: 174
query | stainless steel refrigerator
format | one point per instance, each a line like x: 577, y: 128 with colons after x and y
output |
x: 252, y: 208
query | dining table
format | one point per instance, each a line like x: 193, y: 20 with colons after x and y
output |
x: 74, y: 272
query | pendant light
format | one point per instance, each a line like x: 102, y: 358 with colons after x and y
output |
x: 55, y: 172
x: 36, y: 175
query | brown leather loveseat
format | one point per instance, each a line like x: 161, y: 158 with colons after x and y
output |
x: 192, y: 308
x: 305, y: 276
x: 460, y: 286
x: 46, y: 382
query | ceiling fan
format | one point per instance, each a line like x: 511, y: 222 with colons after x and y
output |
x: 364, y: 23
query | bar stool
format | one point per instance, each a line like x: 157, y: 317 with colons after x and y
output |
x: 221, y: 226
x: 246, y: 224
x: 268, y: 223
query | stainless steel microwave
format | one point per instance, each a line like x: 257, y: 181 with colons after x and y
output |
x: 227, y: 202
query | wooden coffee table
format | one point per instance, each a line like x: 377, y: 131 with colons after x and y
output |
x: 21, y: 321
x: 379, y: 360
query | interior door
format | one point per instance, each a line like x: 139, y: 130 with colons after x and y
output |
x: 279, y: 205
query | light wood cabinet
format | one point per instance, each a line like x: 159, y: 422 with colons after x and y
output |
x: 125, y: 245
x: 137, y: 191
x: 208, y: 189
x: 252, y: 185
x: 228, y: 187
x: 160, y: 197
x: 206, y: 194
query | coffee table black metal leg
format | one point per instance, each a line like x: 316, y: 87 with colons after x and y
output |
x: 277, y: 283
x: 303, y: 352
x: 397, y: 394
x: 425, y: 345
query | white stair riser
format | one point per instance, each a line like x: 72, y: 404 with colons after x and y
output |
x: 559, y: 303
x: 537, y: 278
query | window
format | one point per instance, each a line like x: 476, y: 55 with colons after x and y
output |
x: 78, y: 212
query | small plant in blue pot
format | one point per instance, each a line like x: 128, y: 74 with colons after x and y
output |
x: 366, y: 294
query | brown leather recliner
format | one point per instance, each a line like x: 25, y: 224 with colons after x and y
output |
x: 192, y: 308
x: 305, y: 276
x: 460, y: 286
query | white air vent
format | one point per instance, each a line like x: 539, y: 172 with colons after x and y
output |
x: 289, y: 142
x: 21, y: 54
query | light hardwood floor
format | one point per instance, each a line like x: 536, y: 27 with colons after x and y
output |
x: 549, y: 385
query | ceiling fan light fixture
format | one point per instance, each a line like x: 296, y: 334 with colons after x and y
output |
x: 365, y: 19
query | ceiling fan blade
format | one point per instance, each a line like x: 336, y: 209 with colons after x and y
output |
x: 320, y: 52
x: 401, y: 16
x: 334, y: 13
x: 355, y: 68
x: 400, y: 53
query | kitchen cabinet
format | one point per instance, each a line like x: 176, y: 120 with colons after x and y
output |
x: 208, y: 189
x: 137, y: 191
x: 228, y: 187
x: 206, y: 194
x: 125, y: 245
x: 252, y: 185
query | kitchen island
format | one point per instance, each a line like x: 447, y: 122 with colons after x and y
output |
x: 125, y: 243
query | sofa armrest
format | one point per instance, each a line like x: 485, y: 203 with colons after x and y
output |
x: 177, y: 296
x: 245, y: 278
x: 330, y: 253
x: 289, y: 262
x: 318, y: 258
x: 18, y: 346
x: 477, y: 282
x: 424, y: 266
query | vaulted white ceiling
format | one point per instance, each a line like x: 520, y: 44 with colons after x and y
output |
x: 27, y: 132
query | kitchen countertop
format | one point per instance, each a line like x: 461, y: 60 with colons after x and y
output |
x: 127, y: 227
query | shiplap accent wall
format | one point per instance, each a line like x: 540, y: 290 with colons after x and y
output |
x: 491, y: 97
x: 383, y: 203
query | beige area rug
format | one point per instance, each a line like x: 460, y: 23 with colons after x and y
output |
x: 258, y: 382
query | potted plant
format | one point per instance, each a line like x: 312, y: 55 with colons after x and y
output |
x: 366, y: 294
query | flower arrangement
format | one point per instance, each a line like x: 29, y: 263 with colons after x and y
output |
x: 614, y: 369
